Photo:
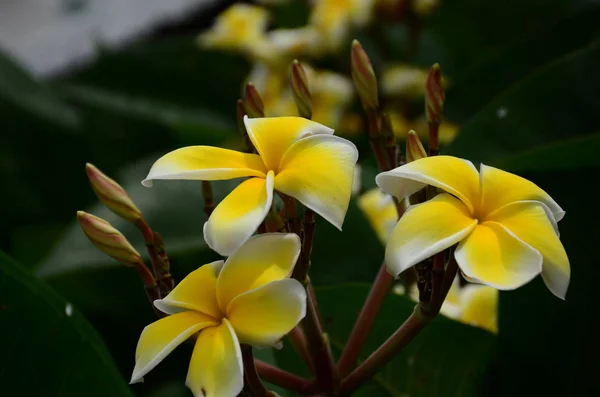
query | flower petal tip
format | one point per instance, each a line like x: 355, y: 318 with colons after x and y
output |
x: 147, y: 183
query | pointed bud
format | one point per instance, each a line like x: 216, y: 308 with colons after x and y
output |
x: 434, y: 95
x: 108, y: 239
x: 364, y: 77
x: 112, y: 194
x: 414, y: 147
x: 253, y: 102
x: 301, y: 90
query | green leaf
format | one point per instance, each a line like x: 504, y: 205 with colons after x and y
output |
x: 46, y: 346
x: 553, y: 103
x: 22, y: 90
x: 447, y: 358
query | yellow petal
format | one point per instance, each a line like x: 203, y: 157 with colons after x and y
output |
x: 261, y: 260
x: 426, y: 229
x: 162, y: 337
x: 262, y: 317
x: 239, y: 214
x: 216, y: 366
x: 318, y: 171
x: 237, y: 27
x: 479, y: 307
x: 272, y: 136
x: 494, y: 256
x: 205, y: 163
x: 380, y: 211
x: 456, y: 176
x: 530, y: 221
x: 500, y: 188
x: 197, y: 291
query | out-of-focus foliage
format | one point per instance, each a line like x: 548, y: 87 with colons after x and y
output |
x: 523, y: 86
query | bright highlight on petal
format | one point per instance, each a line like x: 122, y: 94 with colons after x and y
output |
x: 529, y: 221
x: 239, y: 214
x: 262, y: 259
x: 500, y: 188
x: 262, y: 317
x: 162, y: 337
x: 197, y: 291
x: 216, y: 365
x: 456, y: 176
x: 318, y: 171
x: 493, y: 256
x: 479, y: 307
x: 425, y: 230
x: 205, y: 163
x: 273, y: 136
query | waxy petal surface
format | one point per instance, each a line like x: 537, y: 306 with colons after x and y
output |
x: 500, y: 188
x: 529, y: 221
x: 263, y: 316
x: 425, y: 230
x: 273, y: 136
x: 216, y: 366
x: 163, y: 336
x: 494, y: 256
x: 456, y: 176
x: 318, y: 171
x: 238, y: 216
x: 262, y: 259
x: 205, y: 163
x: 197, y: 291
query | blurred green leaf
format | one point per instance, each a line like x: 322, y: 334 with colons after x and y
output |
x: 556, y: 102
x: 47, y: 347
x: 447, y: 358
x: 22, y: 90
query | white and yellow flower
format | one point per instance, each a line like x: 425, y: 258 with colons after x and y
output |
x: 296, y: 157
x: 505, y: 226
x: 380, y: 211
x: 240, y: 27
x: 248, y: 299
x: 334, y: 19
x: 403, y: 80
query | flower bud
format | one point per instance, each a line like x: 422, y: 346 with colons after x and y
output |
x: 364, y: 77
x: 414, y: 147
x: 301, y: 90
x: 112, y: 194
x: 253, y: 102
x: 108, y: 239
x: 434, y: 95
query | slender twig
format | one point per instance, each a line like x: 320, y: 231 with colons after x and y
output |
x: 390, y: 348
x: 165, y: 274
x: 433, y: 143
x: 251, y: 374
x: 365, y: 321
x: 159, y: 267
x: 437, y: 279
x: 207, y: 195
x: 298, y: 340
x: 291, y: 214
x: 283, y: 378
x: 150, y: 286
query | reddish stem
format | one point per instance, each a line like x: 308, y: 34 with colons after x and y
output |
x: 283, y: 378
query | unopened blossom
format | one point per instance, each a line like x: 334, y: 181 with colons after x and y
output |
x: 296, y: 157
x: 505, y: 226
x: 247, y: 299
x: 240, y: 27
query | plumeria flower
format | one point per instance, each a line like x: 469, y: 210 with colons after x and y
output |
x: 296, y: 157
x: 471, y: 304
x: 505, y: 225
x: 248, y: 299
x: 333, y: 19
x: 380, y: 210
x: 240, y: 27
x: 403, y: 80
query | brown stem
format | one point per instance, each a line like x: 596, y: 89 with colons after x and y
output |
x: 298, y: 340
x: 433, y: 143
x: 308, y: 222
x: 390, y: 348
x: 150, y: 286
x: 251, y: 375
x: 283, y: 378
x: 437, y: 279
x: 207, y: 195
x: 311, y: 295
x: 376, y: 141
x: 292, y: 216
x: 159, y: 267
x: 318, y: 345
x: 165, y: 275
x: 365, y: 321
